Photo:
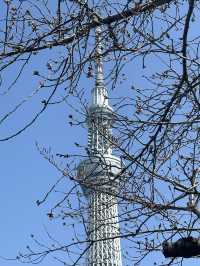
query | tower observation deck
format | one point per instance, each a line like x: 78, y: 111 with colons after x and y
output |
x: 99, y: 175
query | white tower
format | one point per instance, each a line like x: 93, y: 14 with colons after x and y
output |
x: 99, y: 176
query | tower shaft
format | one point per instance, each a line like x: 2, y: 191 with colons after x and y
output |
x: 99, y: 176
x: 103, y: 230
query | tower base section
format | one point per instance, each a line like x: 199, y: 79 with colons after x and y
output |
x: 103, y: 231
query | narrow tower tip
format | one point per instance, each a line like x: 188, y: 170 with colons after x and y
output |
x: 99, y: 93
x: 99, y: 60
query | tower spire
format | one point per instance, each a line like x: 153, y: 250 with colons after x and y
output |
x: 99, y: 60
x: 99, y: 92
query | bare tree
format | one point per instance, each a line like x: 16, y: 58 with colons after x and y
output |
x: 157, y: 130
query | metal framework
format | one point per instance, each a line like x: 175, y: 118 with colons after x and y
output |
x: 99, y: 176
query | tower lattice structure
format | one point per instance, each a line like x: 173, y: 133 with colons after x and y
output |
x: 99, y: 176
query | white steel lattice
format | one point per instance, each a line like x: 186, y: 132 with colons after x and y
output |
x: 103, y: 230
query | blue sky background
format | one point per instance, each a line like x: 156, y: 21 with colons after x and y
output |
x: 26, y: 176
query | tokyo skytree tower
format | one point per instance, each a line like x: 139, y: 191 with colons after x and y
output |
x: 99, y: 176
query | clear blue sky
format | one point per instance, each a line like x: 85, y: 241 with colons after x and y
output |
x: 26, y: 176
